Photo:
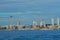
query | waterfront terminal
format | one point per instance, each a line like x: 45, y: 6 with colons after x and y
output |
x: 34, y: 26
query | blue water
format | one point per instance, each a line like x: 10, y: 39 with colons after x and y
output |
x: 30, y: 35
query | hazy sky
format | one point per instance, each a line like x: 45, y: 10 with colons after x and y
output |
x: 30, y: 6
x: 44, y: 8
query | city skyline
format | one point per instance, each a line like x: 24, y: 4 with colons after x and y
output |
x: 29, y: 19
x: 34, y: 26
x: 25, y: 20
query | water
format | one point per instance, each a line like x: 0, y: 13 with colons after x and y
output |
x: 30, y: 35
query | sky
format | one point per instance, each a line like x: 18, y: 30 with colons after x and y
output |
x: 31, y: 9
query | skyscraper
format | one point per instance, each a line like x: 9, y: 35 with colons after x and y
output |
x: 58, y: 22
x: 10, y: 22
x: 52, y: 20
x: 52, y: 26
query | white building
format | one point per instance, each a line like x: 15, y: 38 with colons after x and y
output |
x: 34, y: 24
x: 7, y: 27
x: 52, y: 20
x: 58, y: 22
x: 19, y: 26
x: 42, y: 23
x: 10, y: 22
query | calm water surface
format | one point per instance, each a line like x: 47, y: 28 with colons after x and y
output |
x: 30, y: 35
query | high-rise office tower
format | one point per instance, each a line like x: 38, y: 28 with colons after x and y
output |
x: 10, y: 22
x: 34, y: 24
x: 58, y: 22
x: 52, y: 21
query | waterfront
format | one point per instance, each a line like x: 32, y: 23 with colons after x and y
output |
x: 34, y: 26
x: 29, y: 19
x: 30, y: 35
